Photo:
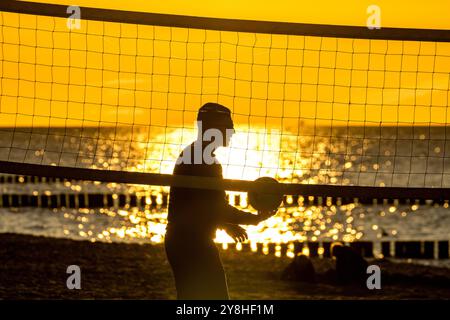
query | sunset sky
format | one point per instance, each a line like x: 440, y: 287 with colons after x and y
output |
x: 431, y: 14
x: 108, y: 73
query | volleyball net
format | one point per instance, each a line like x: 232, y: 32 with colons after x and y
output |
x: 326, y: 110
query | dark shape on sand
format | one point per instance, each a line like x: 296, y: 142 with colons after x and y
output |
x: 300, y: 269
x: 196, y: 214
x: 350, y: 266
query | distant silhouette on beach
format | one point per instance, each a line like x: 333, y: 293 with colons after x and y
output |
x: 350, y: 265
x: 195, y: 214
x: 349, y: 269
x: 300, y: 269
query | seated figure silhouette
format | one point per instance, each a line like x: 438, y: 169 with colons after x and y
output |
x: 300, y: 269
x: 350, y: 265
x: 195, y: 214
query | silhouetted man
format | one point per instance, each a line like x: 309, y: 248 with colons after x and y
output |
x: 196, y: 214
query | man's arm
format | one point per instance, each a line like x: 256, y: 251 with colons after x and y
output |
x: 230, y: 214
x: 236, y: 216
x: 233, y: 215
x: 235, y: 231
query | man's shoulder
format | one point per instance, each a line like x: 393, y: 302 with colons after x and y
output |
x: 185, y: 164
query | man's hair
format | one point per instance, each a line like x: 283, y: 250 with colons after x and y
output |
x: 214, y: 115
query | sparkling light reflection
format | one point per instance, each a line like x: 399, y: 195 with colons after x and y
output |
x: 251, y: 155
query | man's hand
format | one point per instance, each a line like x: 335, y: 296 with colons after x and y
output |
x: 236, y: 232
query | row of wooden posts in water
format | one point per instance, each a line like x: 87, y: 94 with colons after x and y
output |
x: 142, y: 200
x: 79, y: 200
x: 73, y: 199
x: 387, y: 249
x: 291, y: 200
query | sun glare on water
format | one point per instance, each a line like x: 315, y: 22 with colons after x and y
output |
x: 252, y: 154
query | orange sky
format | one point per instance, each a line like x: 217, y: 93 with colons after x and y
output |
x: 101, y: 74
x: 431, y: 14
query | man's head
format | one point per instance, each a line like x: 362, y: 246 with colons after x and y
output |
x: 214, y: 119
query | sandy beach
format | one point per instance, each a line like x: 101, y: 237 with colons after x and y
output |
x: 35, y: 268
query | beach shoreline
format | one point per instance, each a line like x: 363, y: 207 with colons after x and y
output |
x: 34, y: 267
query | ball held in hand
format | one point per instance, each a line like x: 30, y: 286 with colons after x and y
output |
x: 266, y: 200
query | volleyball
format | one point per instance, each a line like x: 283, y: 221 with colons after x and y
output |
x: 266, y: 201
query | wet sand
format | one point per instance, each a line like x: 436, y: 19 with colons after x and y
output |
x: 35, y: 268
